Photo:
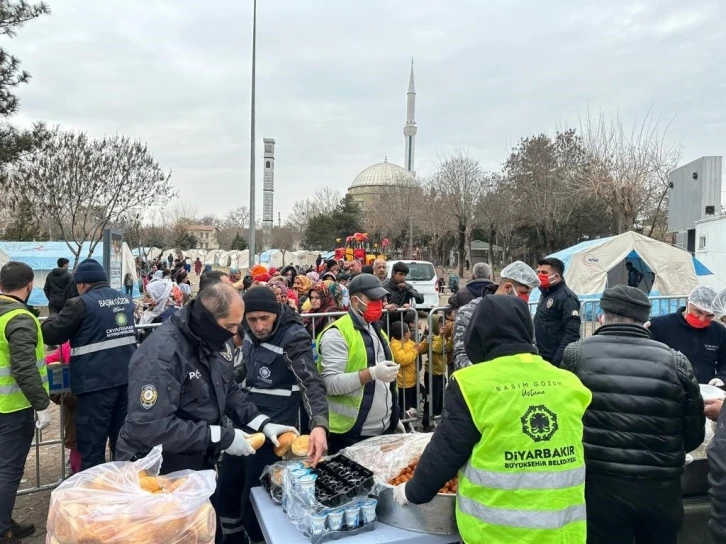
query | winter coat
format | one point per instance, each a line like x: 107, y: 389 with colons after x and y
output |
x: 406, y: 355
x: 55, y: 286
x: 557, y: 321
x: 473, y: 289
x: 400, y: 296
x: 654, y: 393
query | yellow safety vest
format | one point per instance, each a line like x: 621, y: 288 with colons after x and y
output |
x: 343, y: 409
x: 12, y: 398
x: 525, y: 479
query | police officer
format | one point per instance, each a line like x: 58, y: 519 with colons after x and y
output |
x: 23, y: 388
x: 557, y: 320
x: 182, y: 393
x: 512, y: 430
x: 281, y: 378
x: 100, y: 326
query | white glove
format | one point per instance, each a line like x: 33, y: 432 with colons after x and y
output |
x: 399, y: 495
x: 385, y: 371
x: 273, y: 430
x: 43, y: 419
x: 239, y: 445
x: 646, y: 324
x: 718, y: 382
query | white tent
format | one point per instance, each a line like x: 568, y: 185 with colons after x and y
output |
x: 271, y: 258
x: 594, y: 265
x: 212, y: 257
x: 301, y: 258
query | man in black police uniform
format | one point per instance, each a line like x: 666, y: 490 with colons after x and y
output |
x: 557, y: 321
x: 281, y: 377
x: 182, y: 394
x: 100, y: 326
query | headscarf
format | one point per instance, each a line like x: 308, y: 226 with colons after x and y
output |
x: 336, y: 292
x: 258, y: 269
x: 160, y: 292
x: 158, y: 275
x: 313, y: 276
x: 327, y: 304
x: 302, y: 285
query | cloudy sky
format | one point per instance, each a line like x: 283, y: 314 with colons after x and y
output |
x: 332, y: 78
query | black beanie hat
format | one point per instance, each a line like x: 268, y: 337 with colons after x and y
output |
x: 89, y: 271
x: 626, y: 301
x: 261, y: 299
x: 331, y: 263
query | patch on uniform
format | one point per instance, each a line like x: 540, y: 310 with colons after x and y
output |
x: 575, y: 313
x: 148, y: 396
x: 264, y: 373
x: 226, y: 353
x: 121, y: 319
x: 550, y: 302
x: 539, y: 423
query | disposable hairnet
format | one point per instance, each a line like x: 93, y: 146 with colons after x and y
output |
x: 719, y: 305
x: 702, y: 298
x: 521, y: 273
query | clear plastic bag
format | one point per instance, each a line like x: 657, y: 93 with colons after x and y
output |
x: 386, y: 456
x: 708, y: 392
x: 125, y: 503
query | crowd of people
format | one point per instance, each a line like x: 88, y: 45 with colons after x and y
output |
x: 554, y: 438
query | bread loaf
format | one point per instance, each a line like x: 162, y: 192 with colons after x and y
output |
x: 256, y: 440
x: 285, y: 440
x: 300, y: 446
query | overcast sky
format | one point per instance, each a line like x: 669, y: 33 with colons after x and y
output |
x: 332, y: 78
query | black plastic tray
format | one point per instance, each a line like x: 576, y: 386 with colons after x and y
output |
x: 335, y: 535
x: 341, y: 480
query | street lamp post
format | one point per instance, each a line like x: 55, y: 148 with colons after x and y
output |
x: 252, y: 140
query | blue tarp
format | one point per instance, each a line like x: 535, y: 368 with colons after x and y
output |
x: 42, y: 257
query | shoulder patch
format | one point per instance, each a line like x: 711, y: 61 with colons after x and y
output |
x: 575, y: 313
x: 148, y: 396
x: 226, y: 352
x: 550, y: 302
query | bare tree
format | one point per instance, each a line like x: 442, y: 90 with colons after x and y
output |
x: 84, y: 185
x: 180, y: 216
x: 628, y: 170
x: 323, y: 201
x: 282, y: 238
x: 236, y: 222
x: 459, y: 182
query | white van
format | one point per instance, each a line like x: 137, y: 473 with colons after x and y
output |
x: 422, y: 277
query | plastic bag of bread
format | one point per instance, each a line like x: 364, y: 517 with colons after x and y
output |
x: 125, y: 503
x: 386, y: 456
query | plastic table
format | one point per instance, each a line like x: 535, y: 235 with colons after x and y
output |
x: 278, y: 529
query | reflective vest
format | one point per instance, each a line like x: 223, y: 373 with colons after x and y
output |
x: 343, y: 409
x: 525, y: 479
x: 12, y: 398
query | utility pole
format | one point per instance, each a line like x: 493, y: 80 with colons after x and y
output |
x: 251, y: 241
x: 279, y: 220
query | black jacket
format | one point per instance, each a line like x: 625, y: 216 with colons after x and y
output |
x: 473, y: 289
x: 400, y: 296
x: 717, y: 481
x: 55, y: 286
x: 177, y: 389
x: 557, y: 321
x: 283, y: 360
x: 455, y: 438
x: 652, y: 390
x: 705, y: 348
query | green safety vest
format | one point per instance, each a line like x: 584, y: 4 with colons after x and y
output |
x: 343, y: 409
x: 12, y: 398
x: 525, y: 479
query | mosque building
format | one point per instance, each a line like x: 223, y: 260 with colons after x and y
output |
x: 372, y: 182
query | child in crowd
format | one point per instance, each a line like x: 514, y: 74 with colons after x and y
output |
x: 405, y: 353
x: 442, y: 345
x: 63, y: 355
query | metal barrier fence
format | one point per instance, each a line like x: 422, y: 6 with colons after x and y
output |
x: 428, y: 406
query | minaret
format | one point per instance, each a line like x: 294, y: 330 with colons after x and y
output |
x: 268, y: 191
x: 409, y: 129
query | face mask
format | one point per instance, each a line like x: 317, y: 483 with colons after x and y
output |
x: 372, y: 311
x: 205, y: 326
x: 545, y: 280
x: 524, y: 296
x: 696, y: 323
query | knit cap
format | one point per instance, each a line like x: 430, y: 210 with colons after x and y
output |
x: 627, y: 302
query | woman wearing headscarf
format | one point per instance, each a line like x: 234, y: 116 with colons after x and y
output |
x: 320, y: 302
x: 302, y: 286
x: 161, y: 305
x: 339, y: 294
x: 313, y: 276
x: 290, y: 273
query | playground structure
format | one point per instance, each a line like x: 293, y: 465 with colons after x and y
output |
x: 358, y: 246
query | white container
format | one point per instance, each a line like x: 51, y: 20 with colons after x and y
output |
x: 335, y: 519
x: 317, y: 524
x: 352, y: 516
x: 368, y: 510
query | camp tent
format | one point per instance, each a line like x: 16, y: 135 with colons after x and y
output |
x: 42, y: 257
x: 302, y: 257
x: 594, y: 265
x: 271, y: 258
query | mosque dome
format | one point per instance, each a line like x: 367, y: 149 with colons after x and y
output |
x: 382, y: 174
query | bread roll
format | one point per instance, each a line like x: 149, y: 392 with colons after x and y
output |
x: 256, y: 440
x: 150, y: 484
x: 300, y: 446
x: 285, y: 440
